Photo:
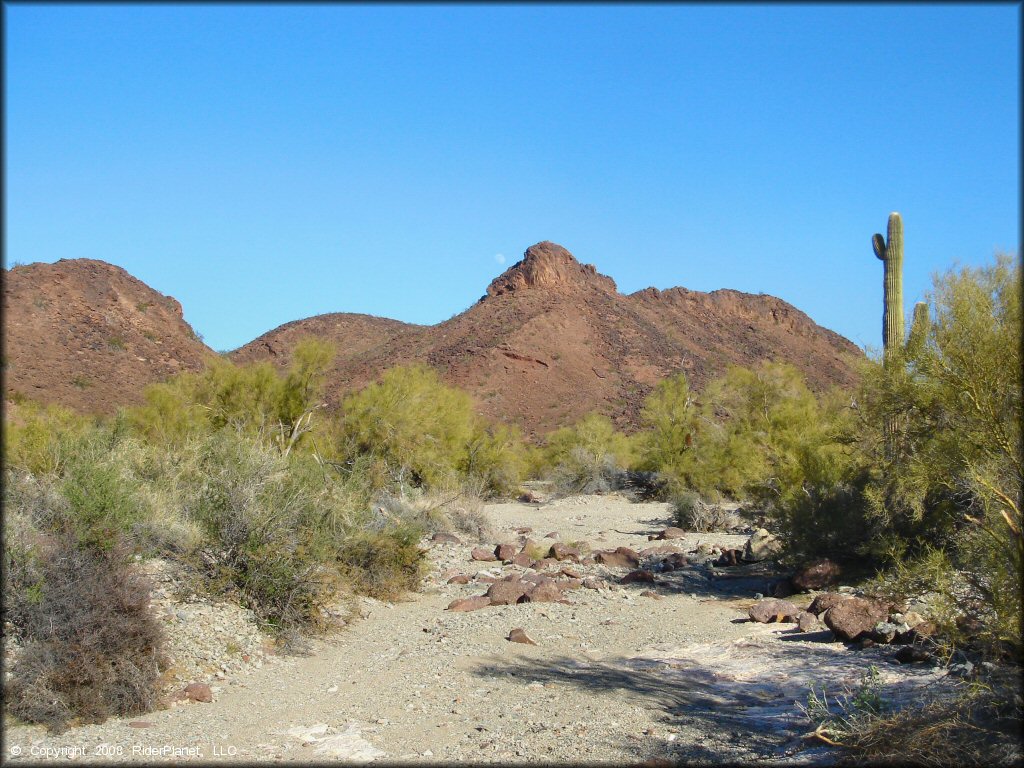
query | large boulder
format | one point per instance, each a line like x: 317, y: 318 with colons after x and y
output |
x: 545, y: 592
x: 817, y: 575
x: 826, y: 600
x: 855, y: 617
x: 560, y: 551
x: 761, y: 546
x: 773, y: 609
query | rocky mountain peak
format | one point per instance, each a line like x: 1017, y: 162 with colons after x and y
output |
x: 549, y: 266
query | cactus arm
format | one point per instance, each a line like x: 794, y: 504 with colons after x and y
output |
x: 918, y: 328
x: 893, y: 337
x: 878, y: 243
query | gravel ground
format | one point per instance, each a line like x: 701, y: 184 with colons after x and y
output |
x: 616, y: 675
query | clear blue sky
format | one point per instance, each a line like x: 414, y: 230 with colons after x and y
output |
x: 266, y: 163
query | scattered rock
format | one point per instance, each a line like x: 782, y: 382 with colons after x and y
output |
x: 824, y: 601
x: 199, y: 692
x: 469, y: 603
x: 545, y: 592
x: 571, y: 573
x: 552, y: 535
x: 633, y: 577
x: 622, y: 557
x: 807, y: 621
x: 761, y: 546
x: 592, y: 582
x: 518, y: 635
x: 560, y: 551
x: 505, y: 552
x: 507, y: 592
x: 523, y: 560
x: 460, y: 578
x: 729, y: 558
x: 651, y: 593
x: 855, y: 617
x: 773, y: 609
x: 528, y: 498
x: 816, y: 575
x: 672, y: 533
x: 481, y: 553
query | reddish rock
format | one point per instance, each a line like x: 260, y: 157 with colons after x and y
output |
x: 661, y: 549
x: 461, y: 578
x: 469, y: 603
x: 824, y: 601
x: 481, y: 553
x: 807, y: 621
x: 729, y: 558
x: 505, y: 552
x: 773, y: 609
x: 199, y: 692
x: 140, y: 724
x: 507, y: 592
x: 485, y: 579
x: 523, y: 560
x: 567, y: 584
x: 623, y: 557
x: 855, y: 617
x: 572, y: 573
x: 816, y: 575
x: 545, y: 592
x: 518, y: 635
x: 652, y: 594
x: 560, y: 551
x: 552, y: 535
x: 675, y: 561
x: 672, y: 533
x: 592, y: 582
x: 634, y: 577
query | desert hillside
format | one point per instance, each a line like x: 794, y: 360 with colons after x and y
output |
x: 552, y: 339
x: 86, y: 334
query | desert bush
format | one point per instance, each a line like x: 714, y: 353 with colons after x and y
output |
x: 39, y: 438
x: 495, y: 457
x: 977, y: 724
x: 456, y: 506
x: 256, y: 399
x: 692, y: 513
x: 955, y: 465
x: 385, y: 563
x: 590, y: 456
x: 91, y: 648
x: 412, y: 422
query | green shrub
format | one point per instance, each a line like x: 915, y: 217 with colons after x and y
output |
x: 39, y: 438
x: 425, y: 433
x: 384, y: 563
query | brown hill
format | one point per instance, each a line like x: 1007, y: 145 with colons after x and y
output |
x: 86, y: 334
x: 552, y: 340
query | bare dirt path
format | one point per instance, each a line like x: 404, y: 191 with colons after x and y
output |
x: 616, y: 676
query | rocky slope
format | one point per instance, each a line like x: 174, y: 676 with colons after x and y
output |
x: 552, y: 339
x: 86, y: 334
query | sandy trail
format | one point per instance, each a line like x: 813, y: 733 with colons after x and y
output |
x: 616, y: 676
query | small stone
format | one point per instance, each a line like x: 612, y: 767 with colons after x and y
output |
x: 481, y: 553
x: 139, y: 724
x: 552, y: 535
x: 652, y: 594
x: 199, y: 692
x: 672, y: 533
x: 518, y: 635
x: 445, y: 538
x: 773, y: 609
x: 461, y: 578
x: 469, y: 603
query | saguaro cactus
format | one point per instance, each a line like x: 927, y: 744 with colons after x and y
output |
x: 890, y: 251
